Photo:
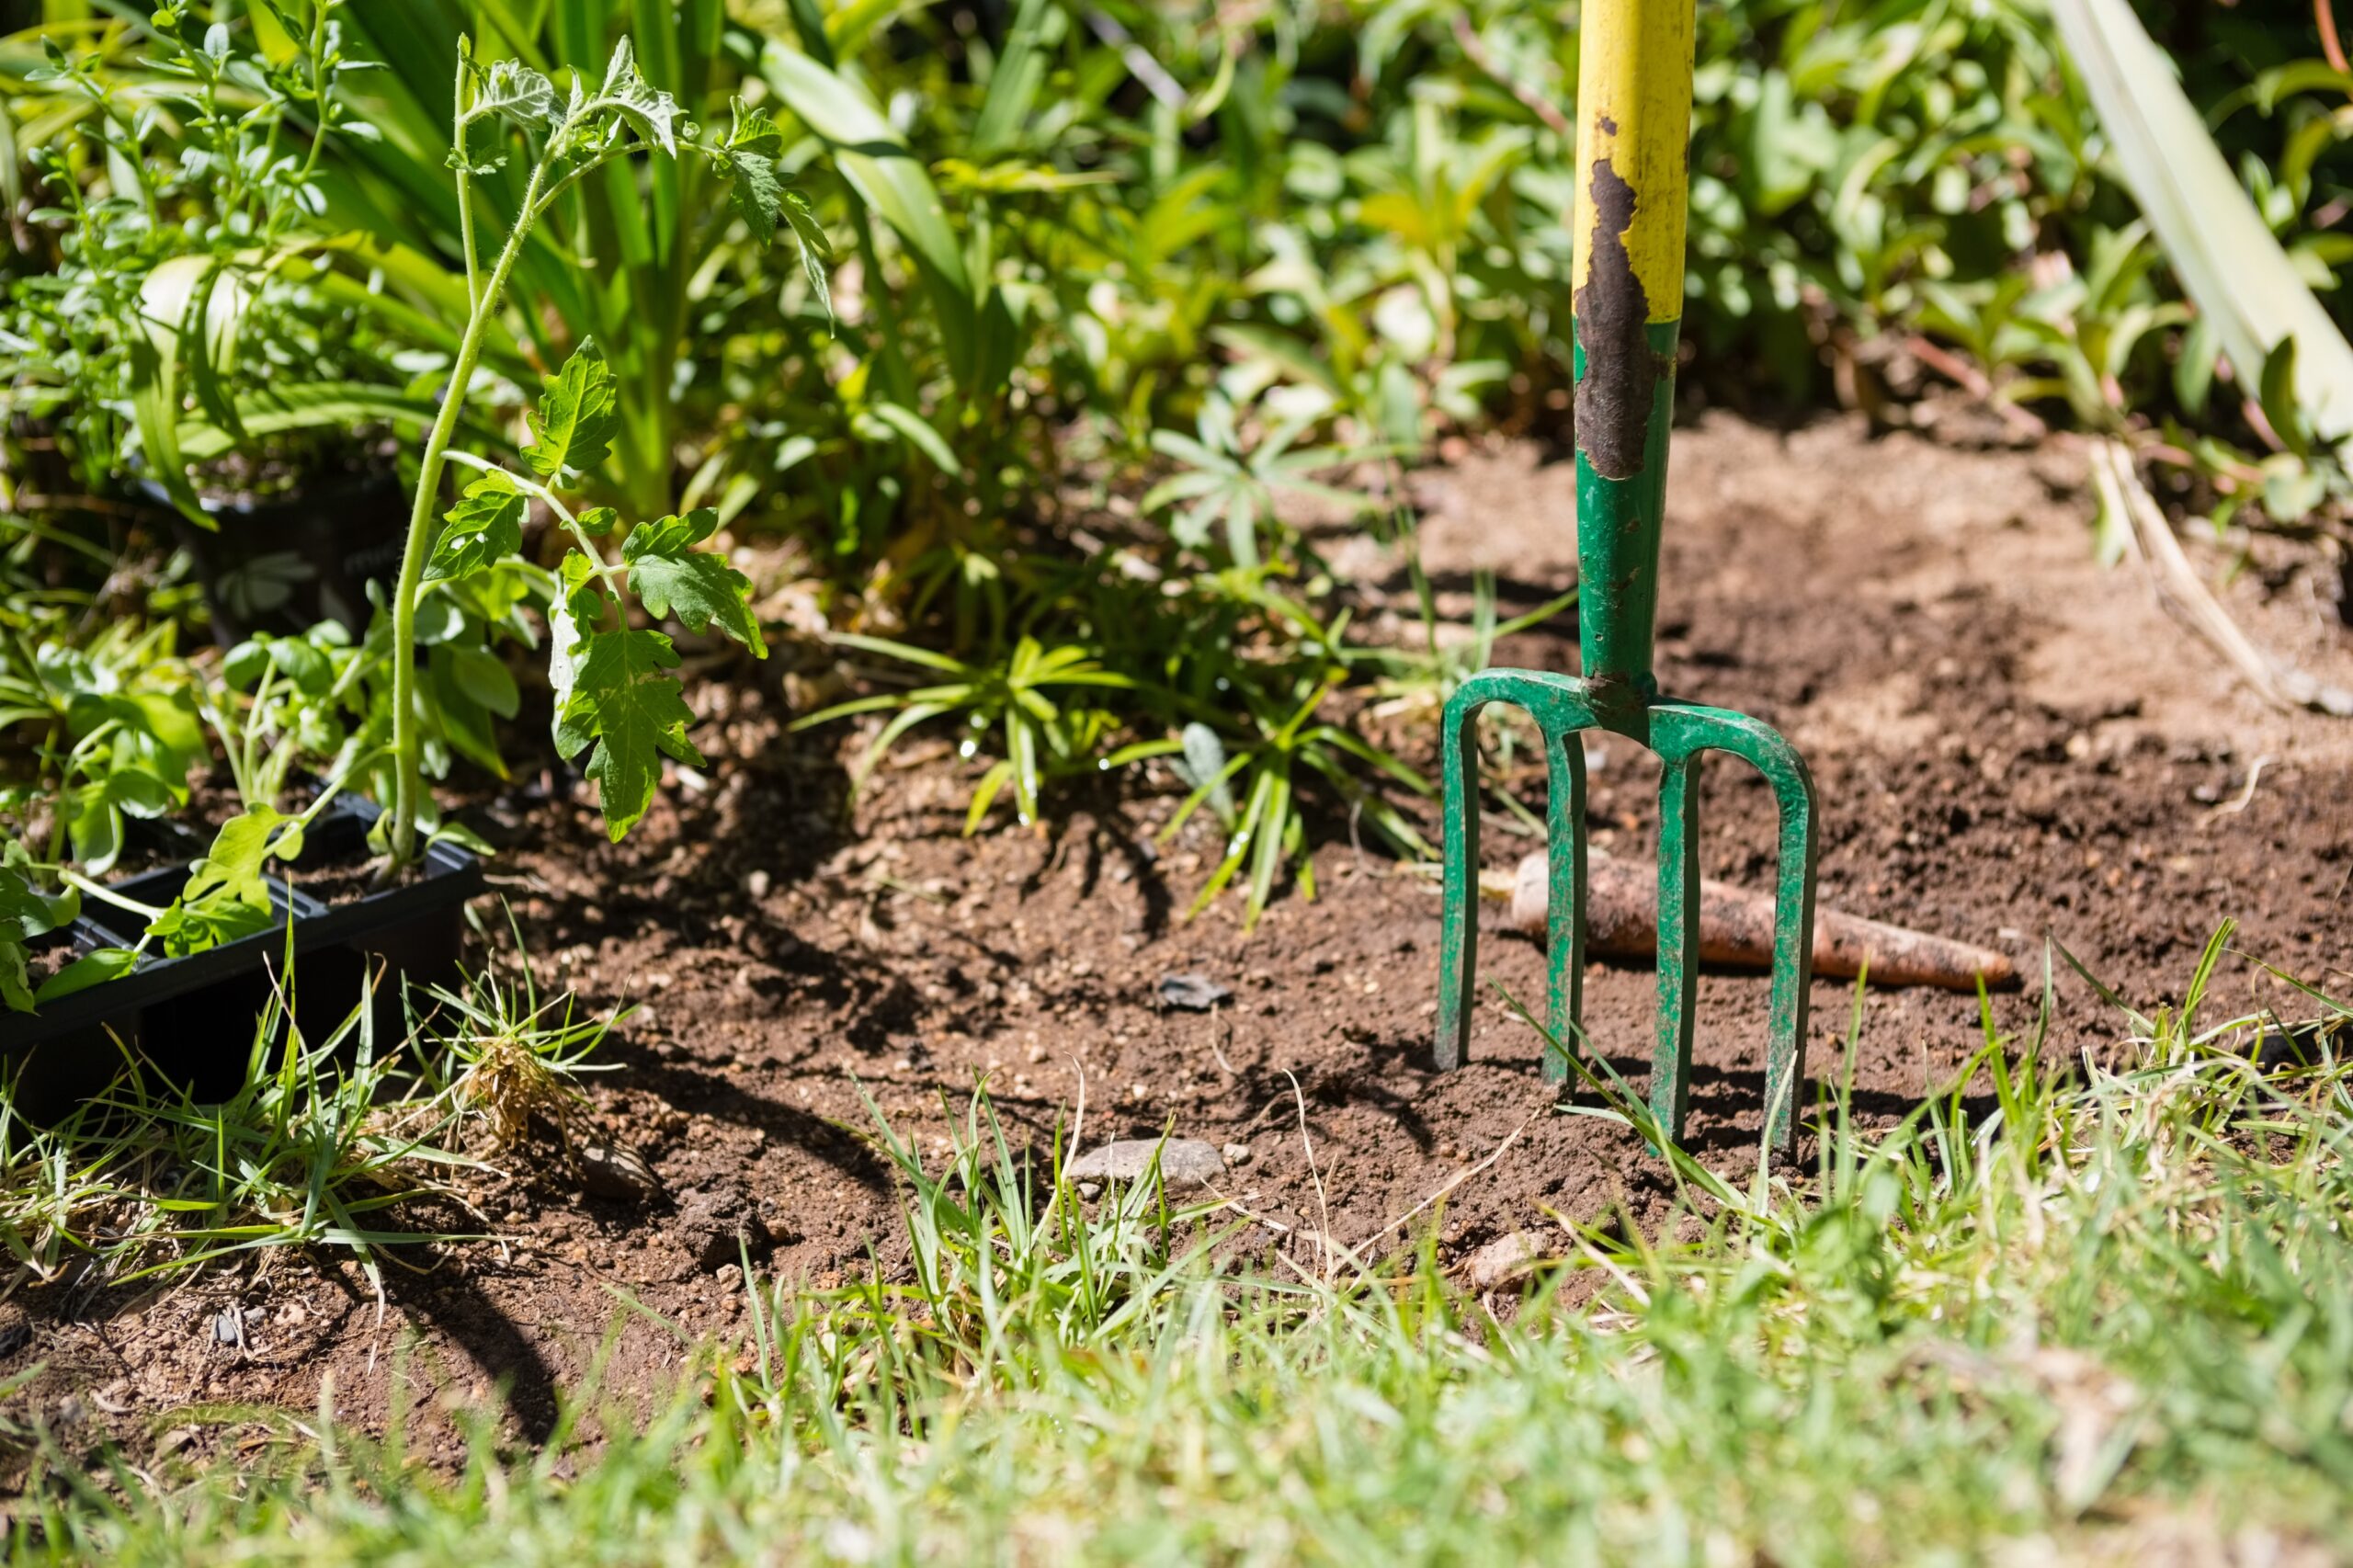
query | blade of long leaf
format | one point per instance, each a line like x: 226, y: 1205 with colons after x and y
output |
x: 2230, y: 264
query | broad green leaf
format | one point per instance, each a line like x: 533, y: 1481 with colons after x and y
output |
x: 318, y: 405
x: 227, y: 897
x: 624, y: 700
x: 672, y: 578
x: 94, y: 827
x: 575, y: 418
x: 166, y: 300
x: 874, y: 159
x: 484, y: 528
x: 484, y: 677
x: 2230, y: 264
x: 94, y: 968
x: 25, y: 912
x: 920, y: 435
x: 460, y: 718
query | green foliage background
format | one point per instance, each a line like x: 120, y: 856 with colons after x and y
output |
x: 1169, y: 270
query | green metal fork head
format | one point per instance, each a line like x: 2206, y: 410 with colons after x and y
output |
x: 1681, y: 733
x: 1635, y: 109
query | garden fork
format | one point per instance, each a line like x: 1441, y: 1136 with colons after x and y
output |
x: 1633, y: 129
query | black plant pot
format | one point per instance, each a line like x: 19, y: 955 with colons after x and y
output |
x: 285, y: 566
x: 189, y: 1022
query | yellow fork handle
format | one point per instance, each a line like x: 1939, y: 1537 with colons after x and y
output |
x: 1634, y: 150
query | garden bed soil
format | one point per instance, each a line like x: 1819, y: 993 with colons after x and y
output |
x: 2010, y: 743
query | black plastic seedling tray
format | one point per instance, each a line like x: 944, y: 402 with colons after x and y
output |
x: 190, y: 1020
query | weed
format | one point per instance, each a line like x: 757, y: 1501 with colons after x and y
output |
x: 499, y: 1056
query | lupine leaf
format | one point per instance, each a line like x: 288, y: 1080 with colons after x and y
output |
x: 575, y: 418
x: 484, y: 528
x: 672, y: 578
x: 624, y: 700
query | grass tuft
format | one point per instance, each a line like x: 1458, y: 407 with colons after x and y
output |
x: 2090, y: 1311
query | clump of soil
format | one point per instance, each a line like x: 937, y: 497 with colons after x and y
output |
x: 2010, y: 743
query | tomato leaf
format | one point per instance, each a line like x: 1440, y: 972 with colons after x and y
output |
x: 624, y: 700
x: 651, y: 112
x: 672, y: 578
x: 484, y: 528
x: 575, y: 418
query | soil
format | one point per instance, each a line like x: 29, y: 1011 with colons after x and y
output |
x: 2011, y: 745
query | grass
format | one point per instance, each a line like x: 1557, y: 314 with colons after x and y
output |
x: 326, y: 1146
x: 2103, y: 1313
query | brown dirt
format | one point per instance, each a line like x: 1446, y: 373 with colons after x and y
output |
x: 2009, y: 742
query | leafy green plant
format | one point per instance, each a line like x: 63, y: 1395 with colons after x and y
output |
x: 179, y: 325
x: 278, y: 704
x: 27, y: 912
x: 613, y: 691
x: 112, y: 734
x: 1268, y: 831
x: 1231, y: 486
x: 1039, y: 736
x: 635, y: 258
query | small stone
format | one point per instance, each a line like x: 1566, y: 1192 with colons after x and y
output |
x: 615, y: 1172
x: 1184, y: 1162
x: 229, y: 1326
x: 717, y: 1228
x: 756, y: 884
x: 1504, y: 1260
x: 1191, y: 993
x: 1237, y: 1154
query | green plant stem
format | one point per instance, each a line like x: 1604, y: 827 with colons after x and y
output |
x: 614, y: 577
x: 105, y: 894
x: 406, y: 743
x: 466, y: 202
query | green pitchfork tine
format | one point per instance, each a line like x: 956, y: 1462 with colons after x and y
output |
x: 1633, y: 124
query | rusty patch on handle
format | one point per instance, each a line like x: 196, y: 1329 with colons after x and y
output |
x: 1621, y: 374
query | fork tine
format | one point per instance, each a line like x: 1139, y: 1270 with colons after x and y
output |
x: 1690, y: 732
x: 1678, y: 940
x: 1458, y: 952
x: 1792, y: 944
x: 1564, y: 919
